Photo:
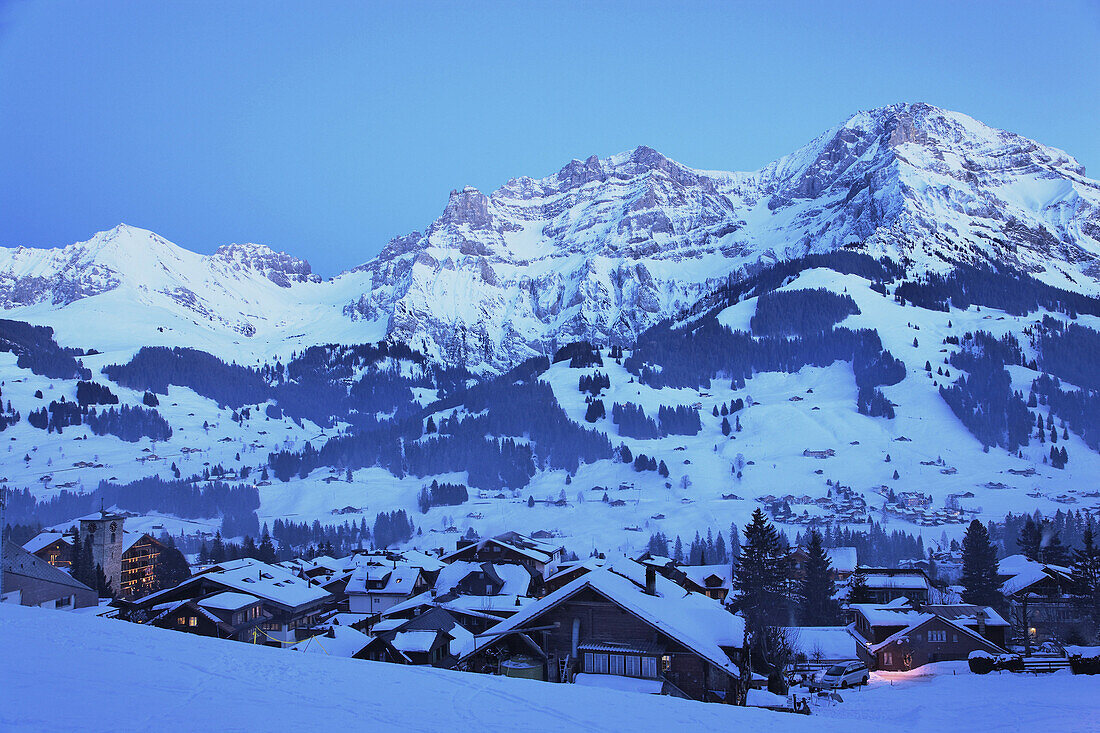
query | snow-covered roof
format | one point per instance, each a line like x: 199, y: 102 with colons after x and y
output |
x: 414, y: 641
x: 42, y: 539
x: 228, y: 601
x: 490, y: 608
x: 515, y: 578
x: 843, y: 559
x: 1023, y: 572
x: 697, y: 622
x: 398, y: 581
x: 698, y: 574
x: 897, y: 582
x: 537, y: 550
x: 268, y: 582
x: 337, y: 641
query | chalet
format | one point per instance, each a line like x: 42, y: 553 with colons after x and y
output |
x: 424, y: 647
x: 827, y: 453
x: 289, y: 602
x: 225, y: 615
x: 483, y: 579
x: 1040, y: 597
x: 713, y: 581
x: 904, y: 634
x: 375, y: 588
x: 31, y: 581
x: 56, y: 548
x: 538, y: 556
x: 621, y: 625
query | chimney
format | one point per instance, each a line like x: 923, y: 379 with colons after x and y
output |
x: 650, y: 580
x: 980, y: 615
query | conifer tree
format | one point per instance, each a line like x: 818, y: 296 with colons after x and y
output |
x: 217, y: 550
x: 1030, y: 539
x: 818, y: 607
x: 1086, y: 574
x: 858, y: 592
x: 979, y: 567
x: 760, y: 576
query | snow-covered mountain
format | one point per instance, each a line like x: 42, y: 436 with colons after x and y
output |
x: 607, y: 247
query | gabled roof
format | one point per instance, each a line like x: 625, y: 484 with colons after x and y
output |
x: 537, y: 550
x: 45, y: 539
x: 699, y: 623
x: 18, y: 561
x: 228, y: 601
x: 419, y: 640
x: 272, y: 583
x: 337, y: 641
x: 699, y: 574
x: 514, y: 579
x: 1020, y: 573
x: 922, y: 620
x: 398, y: 581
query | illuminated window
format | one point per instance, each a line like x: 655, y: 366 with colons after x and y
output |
x: 193, y: 621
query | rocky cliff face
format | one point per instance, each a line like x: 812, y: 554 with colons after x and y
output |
x: 606, y: 247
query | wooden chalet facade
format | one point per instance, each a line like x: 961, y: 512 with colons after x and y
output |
x: 903, y: 635
x: 640, y: 629
x: 31, y: 581
x: 225, y: 615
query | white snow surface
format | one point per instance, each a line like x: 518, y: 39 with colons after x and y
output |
x: 170, y: 680
x: 157, y: 678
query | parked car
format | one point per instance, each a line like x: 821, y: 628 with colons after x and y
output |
x: 843, y: 675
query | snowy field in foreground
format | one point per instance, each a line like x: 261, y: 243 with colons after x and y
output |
x: 71, y: 672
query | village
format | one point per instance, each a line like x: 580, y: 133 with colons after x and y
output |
x: 521, y: 606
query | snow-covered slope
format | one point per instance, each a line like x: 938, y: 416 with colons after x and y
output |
x: 601, y: 250
x: 121, y: 676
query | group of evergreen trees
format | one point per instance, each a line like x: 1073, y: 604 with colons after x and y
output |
x: 593, y: 383
x: 36, y: 350
x: 794, y: 312
x: 679, y: 420
x: 129, y: 423
x: 93, y: 393
x: 392, y: 528
x: 633, y: 422
x: 438, y: 494
x: 984, y: 401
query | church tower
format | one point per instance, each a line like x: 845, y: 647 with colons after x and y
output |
x: 103, y: 532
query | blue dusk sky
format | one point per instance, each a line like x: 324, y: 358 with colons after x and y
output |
x: 324, y: 129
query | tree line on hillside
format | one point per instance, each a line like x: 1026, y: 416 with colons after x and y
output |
x: 790, y: 313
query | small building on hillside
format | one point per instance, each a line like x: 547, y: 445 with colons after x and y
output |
x: 904, y: 635
x: 31, y: 581
x: 623, y: 626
